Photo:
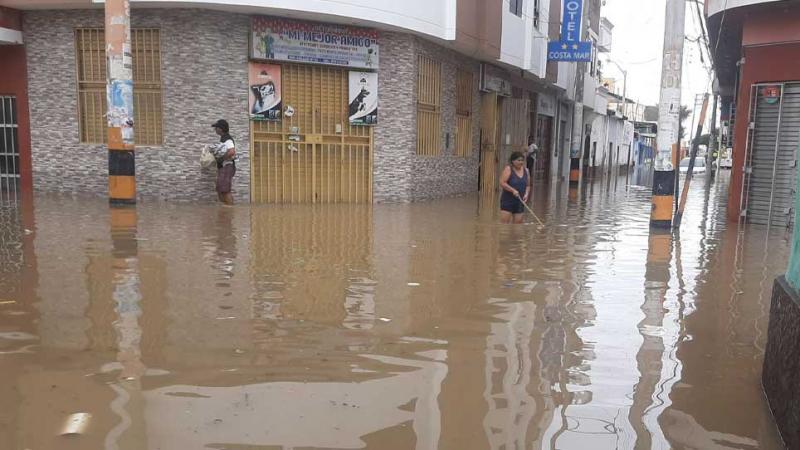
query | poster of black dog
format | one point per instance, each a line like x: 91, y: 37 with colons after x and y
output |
x: 265, y: 92
x: 363, y: 98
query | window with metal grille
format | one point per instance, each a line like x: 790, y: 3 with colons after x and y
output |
x: 464, y: 84
x: 9, y: 148
x: 429, y: 107
x: 536, y: 15
x: 147, y: 101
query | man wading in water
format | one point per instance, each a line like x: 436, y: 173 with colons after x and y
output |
x: 226, y: 161
x: 516, y: 189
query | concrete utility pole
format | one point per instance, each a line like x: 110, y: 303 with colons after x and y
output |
x: 624, y: 86
x: 668, y: 115
x: 576, y: 142
x: 119, y: 96
x: 577, y: 127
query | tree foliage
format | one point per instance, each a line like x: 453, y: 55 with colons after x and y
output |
x: 684, y: 114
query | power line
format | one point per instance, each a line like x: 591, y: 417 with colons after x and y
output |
x: 703, y: 39
x: 639, y: 63
x: 721, y: 25
x: 704, y: 34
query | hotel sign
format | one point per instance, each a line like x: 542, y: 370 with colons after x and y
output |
x: 570, y: 48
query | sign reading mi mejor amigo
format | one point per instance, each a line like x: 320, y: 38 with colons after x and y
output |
x: 310, y: 42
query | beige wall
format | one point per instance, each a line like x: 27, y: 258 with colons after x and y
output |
x: 479, y: 27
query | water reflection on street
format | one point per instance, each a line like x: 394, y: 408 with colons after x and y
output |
x: 388, y: 327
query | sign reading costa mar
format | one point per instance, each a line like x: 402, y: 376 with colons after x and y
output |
x: 311, y: 42
x: 570, y: 47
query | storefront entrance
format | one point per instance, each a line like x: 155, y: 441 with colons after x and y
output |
x: 768, y: 193
x: 544, y: 140
x: 313, y: 155
x: 503, y: 130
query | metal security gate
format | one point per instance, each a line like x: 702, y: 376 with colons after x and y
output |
x: 490, y: 135
x: 314, y: 155
x: 9, y: 150
x: 768, y: 190
x: 544, y: 139
x: 504, y: 130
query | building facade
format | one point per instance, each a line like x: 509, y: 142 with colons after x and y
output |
x: 443, y: 92
x: 758, y: 73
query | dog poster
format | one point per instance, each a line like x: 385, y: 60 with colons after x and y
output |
x: 265, y: 91
x: 363, y: 98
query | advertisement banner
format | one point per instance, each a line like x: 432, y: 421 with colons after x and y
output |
x: 119, y: 96
x: 311, y: 42
x: 363, y: 98
x: 771, y: 94
x: 265, y: 91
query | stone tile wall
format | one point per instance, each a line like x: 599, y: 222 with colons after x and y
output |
x: 395, y: 136
x: 447, y: 175
x: 204, y: 73
x: 399, y: 174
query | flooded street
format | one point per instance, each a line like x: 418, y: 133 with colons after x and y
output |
x: 418, y: 326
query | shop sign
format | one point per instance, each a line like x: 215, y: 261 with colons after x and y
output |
x: 363, y: 98
x: 312, y: 42
x: 771, y: 94
x: 491, y: 80
x: 265, y: 91
x: 545, y: 105
x: 491, y: 83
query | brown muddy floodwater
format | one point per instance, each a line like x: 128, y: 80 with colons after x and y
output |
x: 418, y: 326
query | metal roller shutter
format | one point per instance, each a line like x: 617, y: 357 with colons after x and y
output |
x: 771, y: 163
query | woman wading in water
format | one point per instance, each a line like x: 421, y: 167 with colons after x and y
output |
x: 226, y: 161
x: 516, y: 189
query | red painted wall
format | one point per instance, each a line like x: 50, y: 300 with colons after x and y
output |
x: 771, y: 63
x: 771, y: 27
x: 10, y: 18
x: 14, y: 81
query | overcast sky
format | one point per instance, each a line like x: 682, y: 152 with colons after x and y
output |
x: 638, y: 45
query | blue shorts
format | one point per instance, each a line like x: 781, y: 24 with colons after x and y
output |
x: 512, y: 205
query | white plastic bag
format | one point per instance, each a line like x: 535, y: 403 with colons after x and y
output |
x: 207, y: 159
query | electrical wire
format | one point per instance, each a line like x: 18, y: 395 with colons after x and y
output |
x: 721, y: 26
x: 702, y: 25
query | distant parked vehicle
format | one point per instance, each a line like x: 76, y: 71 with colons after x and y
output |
x: 726, y: 163
x: 699, y: 166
